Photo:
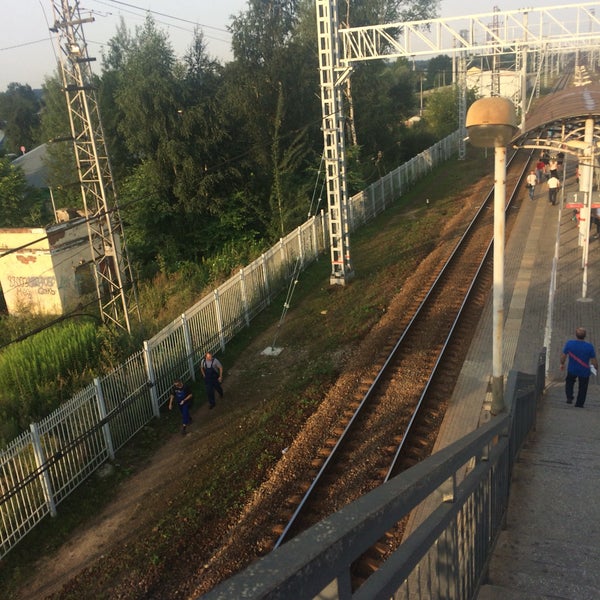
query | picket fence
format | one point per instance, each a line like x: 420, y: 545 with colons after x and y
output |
x: 42, y: 466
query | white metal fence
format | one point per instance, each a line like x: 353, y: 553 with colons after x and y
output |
x: 41, y: 467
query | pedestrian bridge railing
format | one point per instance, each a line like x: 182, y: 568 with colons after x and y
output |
x: 443, y: 558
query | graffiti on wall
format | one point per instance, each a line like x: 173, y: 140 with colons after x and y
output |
x: 27, y: 286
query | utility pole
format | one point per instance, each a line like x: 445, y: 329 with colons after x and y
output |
x: 333, y: 135
x: 112, y: 270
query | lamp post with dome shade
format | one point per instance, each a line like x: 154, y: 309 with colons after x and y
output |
x: 492, y: 123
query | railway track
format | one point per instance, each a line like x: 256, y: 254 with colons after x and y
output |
x: 404, y: 397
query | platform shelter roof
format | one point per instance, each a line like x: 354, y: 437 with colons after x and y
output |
x: 569, y: 107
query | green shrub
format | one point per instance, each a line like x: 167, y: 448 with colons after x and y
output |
x: 42, y: 371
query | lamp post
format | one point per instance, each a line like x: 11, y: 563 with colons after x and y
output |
x: 492, y: 123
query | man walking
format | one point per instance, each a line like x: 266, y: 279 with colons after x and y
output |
x: 212, y: 371
x: 181, y: 395
x: 553, y: 185
x: 581, y: 355
x: 531, y: 181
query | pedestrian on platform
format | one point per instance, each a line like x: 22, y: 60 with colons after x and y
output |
x: 531, y: 182
x: 596, y: 221
x: 181, y: 395
x: 212, y: 371
x: 553, y: 167
x: 540, y: 170
x: 553, y: 185
x: 582, y: 363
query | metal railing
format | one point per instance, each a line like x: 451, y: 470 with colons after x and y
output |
x: 445, y: 557
x: 39, y: 468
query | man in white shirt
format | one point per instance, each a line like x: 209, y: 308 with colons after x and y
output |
x: 553, y: 185
x: 531, y: 182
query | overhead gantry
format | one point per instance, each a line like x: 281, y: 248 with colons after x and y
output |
x: 544, y: 32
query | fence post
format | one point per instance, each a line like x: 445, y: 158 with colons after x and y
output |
x: 263, y: 264
x: 40, y: 460
x: 315, y: 243
x: 244, y: 294
x: 284, y: 264
x: 151, y: 379
x: 189, y: 348
x: 102, y: 411
x: 300, y: 245
x: 324, y: 226
x: 219, y: 317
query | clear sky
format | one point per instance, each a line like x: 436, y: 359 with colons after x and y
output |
x: 27, y: 52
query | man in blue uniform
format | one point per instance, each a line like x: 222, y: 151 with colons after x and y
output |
x: 581, y: 355
x: 183, y: 397
x: 212, y: 371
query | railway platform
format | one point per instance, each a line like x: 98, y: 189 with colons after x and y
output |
x: 550, y: 546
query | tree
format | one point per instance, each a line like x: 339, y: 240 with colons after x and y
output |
x: 271, y: 92
x: 439, y: 71
x: 62, y: 179
x: 19, y: 109
x: 20, y: 205
x: 441, y: 110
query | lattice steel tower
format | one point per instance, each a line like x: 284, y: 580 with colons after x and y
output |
x: 112, y: 270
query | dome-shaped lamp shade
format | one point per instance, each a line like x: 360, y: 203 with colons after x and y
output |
x: 491, y: 122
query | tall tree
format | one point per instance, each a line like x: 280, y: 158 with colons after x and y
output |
x: 439, y: 71
x: 441, y: 110
x: 63, y: 179
x: 20, y: 205
x: 19, y: 109
x: 272, y: 93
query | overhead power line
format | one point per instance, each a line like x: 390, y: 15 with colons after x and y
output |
x: 161, y: 14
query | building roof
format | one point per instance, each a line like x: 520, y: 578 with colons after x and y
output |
x: 571, y: 106
x: 34, y: 166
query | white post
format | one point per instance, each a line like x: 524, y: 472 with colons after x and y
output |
x: 586, y: 211
x: 498, y: 299
x: 102, y: 412
x: 41, y: 463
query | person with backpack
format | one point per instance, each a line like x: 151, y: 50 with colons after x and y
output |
x: 212, y: 372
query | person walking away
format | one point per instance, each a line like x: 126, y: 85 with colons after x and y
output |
x: 581, y: 355
x: 540, y: 169
x: 553, y: 167
x: 553, y: 185
x: 531, y: 182
x: 181, y: 395
x: 212, y: 371
x: 596, y: 220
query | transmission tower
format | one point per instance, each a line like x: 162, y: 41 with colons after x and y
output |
x: 112, y: 270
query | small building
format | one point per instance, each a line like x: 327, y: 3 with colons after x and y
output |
x: 33, y: 165
x: 47, y: 270
x: 509, y: 82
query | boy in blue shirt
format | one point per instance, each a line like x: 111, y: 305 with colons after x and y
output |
x: 182, y: 395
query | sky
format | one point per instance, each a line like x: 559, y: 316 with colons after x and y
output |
x: 27, y: 53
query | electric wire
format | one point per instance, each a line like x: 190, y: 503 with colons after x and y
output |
x: 288, y: 299
x: 312, y: 200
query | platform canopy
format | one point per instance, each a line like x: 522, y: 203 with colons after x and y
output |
x: 568, y: 108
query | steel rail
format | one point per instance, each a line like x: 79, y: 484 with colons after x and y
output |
x: 367, y: 396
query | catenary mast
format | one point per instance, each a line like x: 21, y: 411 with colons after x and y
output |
x: 112, y: 270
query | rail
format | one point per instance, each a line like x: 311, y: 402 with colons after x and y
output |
x: 420, y: 321
x: 445, y: 557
